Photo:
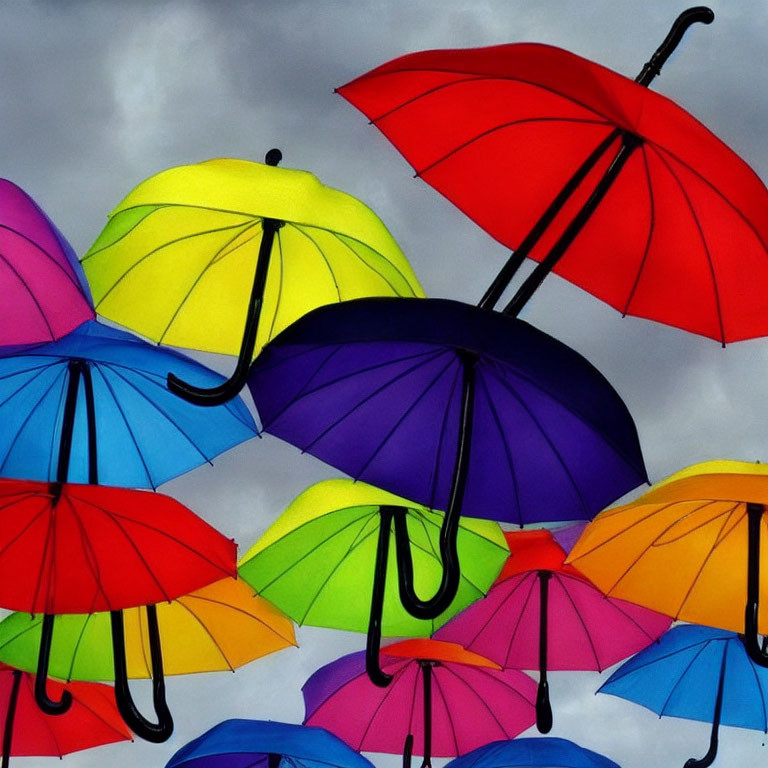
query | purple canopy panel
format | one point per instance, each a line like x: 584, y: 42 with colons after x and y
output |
x: 45, y: 295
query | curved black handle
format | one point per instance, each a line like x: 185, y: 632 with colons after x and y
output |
x: 407, y: 750
x: 751, y: 637
x: 154, y: 732
x: 10, y: 715
x: 45, y: 702
x: 699, y: 13
x: 709, y: 758
x: 373, y: 639
x: 224, y: 392
x: 543, y: 708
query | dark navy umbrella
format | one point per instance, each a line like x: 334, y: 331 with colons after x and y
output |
x: 458, y: 408
x: 532, y: 753
x: 266, y: 744
x: 698, y: 673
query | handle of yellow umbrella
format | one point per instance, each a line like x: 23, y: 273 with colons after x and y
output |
x: 407, y: 751
x: 709, y: 758
x: 373, y: 640
x: 44, y: 701
x: 155, y: 732
x: 699, y: 13
x: 224, y: 392
x: 751, y: 638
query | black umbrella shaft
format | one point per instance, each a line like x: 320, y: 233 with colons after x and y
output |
x: 543, y: 707
x: 90, y: 412
x: 373, y: 640
x: 709, y: 758
x: 74, y: 369
x: 9, y: 718
x: 426, y: 676
x: 750, y: 638
x: 273, y: 760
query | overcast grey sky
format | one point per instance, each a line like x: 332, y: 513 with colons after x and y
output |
x: 96, y: 96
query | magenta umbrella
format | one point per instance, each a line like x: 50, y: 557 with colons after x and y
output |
x: 543, y: 614
x: 44, y: 292
x: 445, y: 697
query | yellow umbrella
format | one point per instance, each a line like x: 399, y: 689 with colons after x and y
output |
x: 219, y: 627
x: 688, y: 548
x: 177, y: 260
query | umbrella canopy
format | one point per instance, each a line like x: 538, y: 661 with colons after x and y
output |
x: 450, y: 699
x: 532, y: 753
x: 92, y: 719
x: 218, y: 627
x: 179, y: 255
x: 576, y: 166
x: 125, y: 424
x: 543, y: 614
x: 698, y: 673
x: 320, y: 560
x: 45, y: 295
x: 265, y: 744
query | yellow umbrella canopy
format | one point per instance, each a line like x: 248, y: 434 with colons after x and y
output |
x: 219, y: 627
x: 177, y: 259
x: 688, y: 548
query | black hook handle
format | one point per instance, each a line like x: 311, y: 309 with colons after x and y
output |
x: 225, y: 391
x: 709, y: 758
x: 699, y: 13
x: 751, y: 637
x: 154, y: 732
x: 373, y: 640
x: 407, y: 751
x: 46, y: 704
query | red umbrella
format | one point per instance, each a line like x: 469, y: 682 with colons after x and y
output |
x: 553, y: 154
x: 543, y: 614
x: 67, y: 548
x: 92, y: 719
x: 450, y: 699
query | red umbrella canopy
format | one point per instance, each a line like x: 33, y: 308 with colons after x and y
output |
x: 67, y: 548
x: 680, y: 236
x: 92, y: 719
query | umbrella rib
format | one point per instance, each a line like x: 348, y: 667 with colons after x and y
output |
x: 80, y: 636
x: 532, y: 583
x: 616, y: 605
x: 639, y: 664
x: 154, y: 209
x: 436, y: 683
x: 205, y: 269
x: 651, y: 228
x: 560, y: 580
x: 42, y: 720
x: 753, y: 668
x: 430, y: 357
x: 45, y: 565
x: 512, y: 124
x: 680, y: 679
x: 69, y: 275
x: 507, y: 451
x: 100, y: 717
x: 92, y: 560
x: 279, y: 292
x: 322, y: 256
x: 700, y: 230
x: 704, y: 503
x: 396, y: 674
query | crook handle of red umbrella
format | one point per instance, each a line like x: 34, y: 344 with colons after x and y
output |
x: 449, y: 583
x: 373, y: 640
x: 687, y: 18
x: 155, y: 732
x: 751, y: 638
x: 709, y: 757
x: 44, y: 701
x: 225, y: 391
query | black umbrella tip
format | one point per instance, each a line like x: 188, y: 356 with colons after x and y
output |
x: 273, y: 157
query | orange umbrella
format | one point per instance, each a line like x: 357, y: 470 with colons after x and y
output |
x: 688, y: 548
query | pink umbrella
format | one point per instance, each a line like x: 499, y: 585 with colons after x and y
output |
x: 45, y: 295
x: 466, y: 700
x: 543, y: 614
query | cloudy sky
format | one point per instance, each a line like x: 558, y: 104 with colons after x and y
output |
x: 96, y: 96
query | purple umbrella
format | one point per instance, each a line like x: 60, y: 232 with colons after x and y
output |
x: 456, y: 407
x: 45, y: 295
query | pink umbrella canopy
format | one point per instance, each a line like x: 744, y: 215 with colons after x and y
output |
x: 580, y: 628
x: 464, y: 699
x: 45, y: 295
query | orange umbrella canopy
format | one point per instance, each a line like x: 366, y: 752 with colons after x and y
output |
x: 682, y: 548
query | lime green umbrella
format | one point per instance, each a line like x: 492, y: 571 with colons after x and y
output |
x: 222, y: 255
x: 328, y: 561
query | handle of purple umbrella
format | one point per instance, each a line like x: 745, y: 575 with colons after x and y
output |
x: 155, y: 732
x: 709, y: 758
x: 407, y: 750
x: 751, y: 637
x: 373, y: 640
x: 224, y: 392
x: 687, y: 18
x: 44, y: 701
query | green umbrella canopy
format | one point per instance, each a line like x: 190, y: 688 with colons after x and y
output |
x: 316, y: 562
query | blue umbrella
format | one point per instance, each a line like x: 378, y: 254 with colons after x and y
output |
x: 698, y: 673
x: 266, y: 744
x: 142, y: 434
x: 533, y: 753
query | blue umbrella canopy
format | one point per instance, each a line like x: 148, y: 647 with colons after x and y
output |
x: 535, y: 753
x: 697, y: 673
x: 265, y: 744
x: 142, y: 434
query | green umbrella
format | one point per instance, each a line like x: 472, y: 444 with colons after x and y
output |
x: 317, y: 561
